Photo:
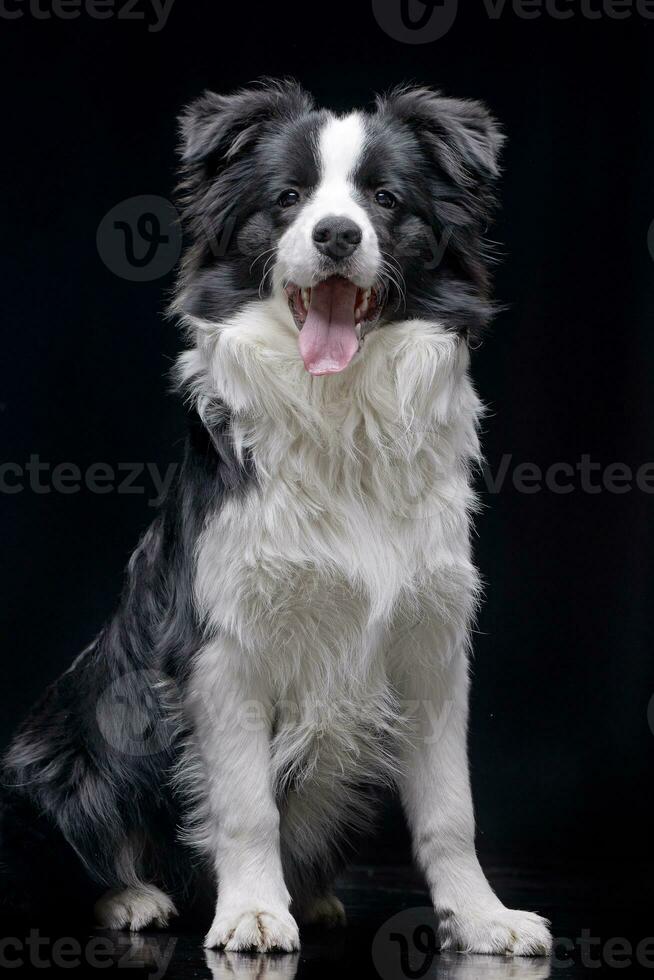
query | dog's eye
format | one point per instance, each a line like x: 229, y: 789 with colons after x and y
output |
x: 385, y: 199
x: 288, y: 198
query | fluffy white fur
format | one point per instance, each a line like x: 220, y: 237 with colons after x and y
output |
x: 341, y: 591
x: 134, y: 908
x: 338, y: 590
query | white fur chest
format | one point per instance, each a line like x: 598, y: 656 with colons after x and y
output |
x: 362, y: 495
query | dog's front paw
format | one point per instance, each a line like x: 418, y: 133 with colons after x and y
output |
x: 256, y: 928
x: 498, y: 931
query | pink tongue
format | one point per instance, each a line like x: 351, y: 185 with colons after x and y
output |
x: 328, y: 339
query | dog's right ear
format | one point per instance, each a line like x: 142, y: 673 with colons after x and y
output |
x: 216, y: 129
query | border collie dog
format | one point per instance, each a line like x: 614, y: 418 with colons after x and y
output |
x: 295, y: 625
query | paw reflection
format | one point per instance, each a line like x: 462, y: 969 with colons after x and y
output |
x: 252, y: 966
x: 469, y: 966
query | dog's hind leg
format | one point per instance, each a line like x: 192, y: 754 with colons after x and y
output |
x: 316, y: 818
x: 310, y: 861
x: 76, y: 803
x: 323, y: 910
x: 134, y: 905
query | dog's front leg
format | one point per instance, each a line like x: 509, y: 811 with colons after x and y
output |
x: 240, y: 821
x: 433, y: 678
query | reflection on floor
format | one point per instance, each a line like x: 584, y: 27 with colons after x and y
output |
x: 600, y: 923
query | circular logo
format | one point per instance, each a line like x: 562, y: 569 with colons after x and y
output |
x: 134, y: 713
x: 140, y: 239
x: 415, y: 21
x: 406, y: 946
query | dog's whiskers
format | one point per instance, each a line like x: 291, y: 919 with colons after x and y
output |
x: 261, y: 255
x: 394, y: 274
x: 267, y: 270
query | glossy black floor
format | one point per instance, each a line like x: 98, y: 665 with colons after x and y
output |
x: 602, y: 922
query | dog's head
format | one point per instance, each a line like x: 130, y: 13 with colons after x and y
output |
x: 352, y: 222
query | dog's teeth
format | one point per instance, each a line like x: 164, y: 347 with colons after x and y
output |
x: 361, y: 310
x: 366, y: 296
x: 306, y: 297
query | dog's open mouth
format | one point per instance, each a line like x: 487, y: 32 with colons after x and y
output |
x: 330, y: 317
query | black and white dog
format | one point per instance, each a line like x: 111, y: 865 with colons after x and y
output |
x: 295, y: 623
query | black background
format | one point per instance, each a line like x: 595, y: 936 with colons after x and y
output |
x: 561, y: 744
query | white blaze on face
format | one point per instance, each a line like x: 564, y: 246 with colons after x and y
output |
x: 340, y: 147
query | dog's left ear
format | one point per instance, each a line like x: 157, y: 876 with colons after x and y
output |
x: 465, y: 138
x: 216, y: 129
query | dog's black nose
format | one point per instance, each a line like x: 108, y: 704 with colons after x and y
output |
x: 337, y: 237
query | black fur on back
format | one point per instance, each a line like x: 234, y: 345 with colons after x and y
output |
x: 90, y: 765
